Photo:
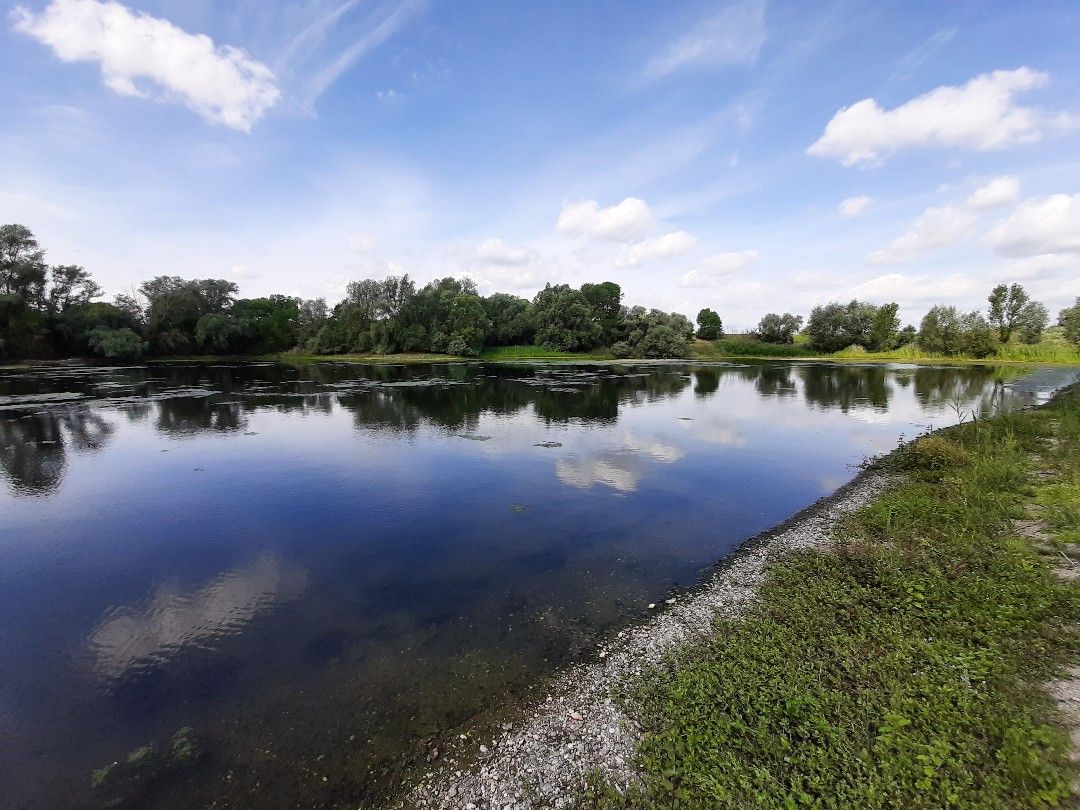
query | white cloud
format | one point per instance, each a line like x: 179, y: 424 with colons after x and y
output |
x: 361, y: 243
x: 1040, y: 226
x: 980, y: 114
x: 497, y: 252
x: 999, y: 191
x: 667, y: 246
x: 714, y: 270
x: 854, y: 206
x: 935, y: 228
x: 734, y: 36
x: 244, y: 273
x: 619, y: 223
x: 134, y: 50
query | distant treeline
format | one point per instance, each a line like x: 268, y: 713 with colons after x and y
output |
x: 51, y: 311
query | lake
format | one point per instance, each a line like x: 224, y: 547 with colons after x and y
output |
x: 321, y: 569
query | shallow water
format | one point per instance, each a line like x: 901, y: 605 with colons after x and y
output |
x: 322, y: 569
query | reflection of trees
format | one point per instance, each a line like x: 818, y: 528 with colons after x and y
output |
x: 845, y: 387
x: 706, y: 382
x: 33, y: 448
x: 943, y: 386
x: 182, y: 416
x: 558, y: 396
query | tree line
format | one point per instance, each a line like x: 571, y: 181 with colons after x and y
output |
x: 1011, y: 315
x: 53, y: 311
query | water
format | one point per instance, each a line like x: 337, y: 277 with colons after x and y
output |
x: 322, y: 569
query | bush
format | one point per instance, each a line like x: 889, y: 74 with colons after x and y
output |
x: 117, y: 344
x: 934, y: 453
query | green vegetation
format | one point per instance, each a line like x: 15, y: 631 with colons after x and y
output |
x: 48, y: 312
x: 903, y: 666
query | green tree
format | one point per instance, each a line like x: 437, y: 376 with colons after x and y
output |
x: 70, y: 286
x: 1069, y: 320
x: 117, y: 344
x: 836, y: 326
x: 1006, y: 303
x: 940, y: 330
x: 565, y: 319
x: 884, y: 329
x: 1032, y: 322
x: 605, y: 299
x: 468, y: 326
x: 782, y: 329
x: 22, y: 265
x: 220, y: 334
x: 710, y: 327
x: 512, y: 322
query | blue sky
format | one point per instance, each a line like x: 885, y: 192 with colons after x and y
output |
x: 750, y: 156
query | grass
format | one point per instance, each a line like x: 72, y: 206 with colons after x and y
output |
x: 1053, y: 349
x: 901, y: 668
x: 538, y: 353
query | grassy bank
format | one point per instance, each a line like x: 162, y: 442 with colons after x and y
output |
x: 1053, y: 352
x: 538, y: 353
x: 902, y: 668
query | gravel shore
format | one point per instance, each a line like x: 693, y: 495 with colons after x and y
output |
x: 576, y: 729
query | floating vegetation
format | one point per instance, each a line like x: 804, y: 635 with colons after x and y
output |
x: 548, y: 444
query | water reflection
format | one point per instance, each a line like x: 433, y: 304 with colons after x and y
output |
x: 34, y: 446
x: 130, y: 640
x: 39, y: 424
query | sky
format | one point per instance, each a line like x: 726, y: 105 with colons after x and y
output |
x: 751, y: 156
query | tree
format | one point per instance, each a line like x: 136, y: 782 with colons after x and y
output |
x: 70, y: 285
x: 939, y: 331
x: 565, y: 319
x: 220, y: 334
x: 22, y: 265
x: 605, y: 299
x: 944, y: 330
x: 884, y: 329
x: 117, y: 344
x: 1069, y: 320
x: 775, y: 328
x: 836, y: 326
x: 1032, y: 322
x: 512, y: 322
x: 1006, y: 304
x: 710, y: 327
x: 468, y: 326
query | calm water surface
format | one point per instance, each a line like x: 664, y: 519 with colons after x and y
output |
x: 322, y: 569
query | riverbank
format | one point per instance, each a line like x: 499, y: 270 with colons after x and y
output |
x: 890, y: 646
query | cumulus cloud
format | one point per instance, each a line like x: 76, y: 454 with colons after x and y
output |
x: 935, y: 228
x: 667, y: 246
x: 999, y: 191
x: 497, y: 252
x: 854, y: 206
x: 138, y: 53
x: 242, y: 272
x: 733, y: 36
x: 714, y: 270
x: 981, y: 115
x: 619, y: 223
x: 1040, y: 226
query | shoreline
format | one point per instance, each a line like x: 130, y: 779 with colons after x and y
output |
x: 576, y: 731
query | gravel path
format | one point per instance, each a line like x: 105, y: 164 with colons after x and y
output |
x: 577, y: 729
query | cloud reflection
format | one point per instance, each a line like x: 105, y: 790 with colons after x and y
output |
x: 133, y: 639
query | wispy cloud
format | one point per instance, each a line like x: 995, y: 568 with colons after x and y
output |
x: 732, y: 36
